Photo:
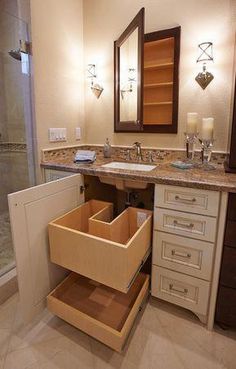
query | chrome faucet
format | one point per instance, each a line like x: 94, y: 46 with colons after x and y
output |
x: 137, y: 146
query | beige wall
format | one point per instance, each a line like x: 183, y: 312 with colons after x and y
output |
x: 201, y: 20
x: 57, y: 37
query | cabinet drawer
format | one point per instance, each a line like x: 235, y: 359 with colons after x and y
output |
x: 188, y: 292
x: 97, y: 310
x: 107, y: 250
x: 184, y: 224
x: 187, y: 199
x: 183, y: 255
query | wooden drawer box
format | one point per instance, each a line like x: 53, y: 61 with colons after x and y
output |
x: 188, y: 292
x: 187, y: 199
x: 185, y: 224
x: 183, y: 255
x: 97, y: 310
x: 109, y: 252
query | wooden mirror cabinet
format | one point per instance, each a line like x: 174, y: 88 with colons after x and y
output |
x: 154, y: 108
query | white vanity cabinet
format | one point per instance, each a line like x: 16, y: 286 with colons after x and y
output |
x: 187, y: 246
x: 90, y: 274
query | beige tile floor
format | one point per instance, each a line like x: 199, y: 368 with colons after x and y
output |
x: 163, y: 337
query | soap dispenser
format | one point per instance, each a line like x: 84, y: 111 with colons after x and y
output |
x: 107, y: 149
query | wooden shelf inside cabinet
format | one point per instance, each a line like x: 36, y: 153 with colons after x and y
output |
x: 158, y: 66
x: 158, y: 103
x: 157, y: 85
x: 160, y: 88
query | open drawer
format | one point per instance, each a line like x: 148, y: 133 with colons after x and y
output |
x: 95, y: 245
x: 97, y: 310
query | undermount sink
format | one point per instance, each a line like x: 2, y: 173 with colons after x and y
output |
x: 126, y: 184
x: 129, y: 166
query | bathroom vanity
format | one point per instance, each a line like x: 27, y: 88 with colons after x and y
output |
x: 188, y: 230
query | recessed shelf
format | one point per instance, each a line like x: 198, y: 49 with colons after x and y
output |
x: 158, y: 66
x: 161, y: 84
x: 158, y: 103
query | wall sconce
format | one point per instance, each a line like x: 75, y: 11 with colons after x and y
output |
x: 131, y: 80
x: 95, y: 87
x: 206, y: 54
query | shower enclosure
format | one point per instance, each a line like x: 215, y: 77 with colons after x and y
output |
x: 16, y: 149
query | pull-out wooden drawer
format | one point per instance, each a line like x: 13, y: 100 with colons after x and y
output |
x: 187, y: 199
x: 183, y: 255
x: 188, y: 292
x: 97, y: 310
x: 185, y: 224
x: 95, y: 245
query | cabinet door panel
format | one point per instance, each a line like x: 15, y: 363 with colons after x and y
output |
x: 30, y: 212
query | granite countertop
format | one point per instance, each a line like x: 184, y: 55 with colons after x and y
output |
x: 164, y: 173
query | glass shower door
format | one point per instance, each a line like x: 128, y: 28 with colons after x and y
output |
x: 16, y: 152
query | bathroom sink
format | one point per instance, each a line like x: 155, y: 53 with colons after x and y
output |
x: 129, y: 166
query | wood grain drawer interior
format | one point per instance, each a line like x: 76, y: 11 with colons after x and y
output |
x: 93, y: 244
x: 187, y: 199
x: 99, y: 311
x: 183, y: 255
x: 190, y: 293
x: 185, y: 224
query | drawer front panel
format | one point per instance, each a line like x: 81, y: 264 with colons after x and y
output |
x: 188, y: 292
x: 187, y: 199
x: 184, y: 224
x: 183, y: 255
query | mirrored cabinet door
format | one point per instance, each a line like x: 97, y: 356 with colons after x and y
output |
x: 129, y: 77
x: 146, y: 79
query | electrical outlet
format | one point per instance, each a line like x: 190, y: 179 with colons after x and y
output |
x: 57, y: 134
x: 78, y: 133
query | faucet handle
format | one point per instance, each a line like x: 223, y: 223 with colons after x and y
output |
x: 138, y: 144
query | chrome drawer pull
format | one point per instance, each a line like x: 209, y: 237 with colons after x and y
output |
x: 183, y: 225
x: 172, y: 288
x: 181, y: 254
x: 178, y: 198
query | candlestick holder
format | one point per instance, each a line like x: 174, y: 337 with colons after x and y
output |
x: 190, y: 140
x: 206, y: 153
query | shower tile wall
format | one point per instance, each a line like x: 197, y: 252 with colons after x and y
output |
x: 14, y: 174
x: 12, y: 127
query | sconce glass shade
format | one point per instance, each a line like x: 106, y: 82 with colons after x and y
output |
x: 206, y: 52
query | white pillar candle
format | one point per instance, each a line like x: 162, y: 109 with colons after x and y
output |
x: 207, y: 128
x: 192, y: 120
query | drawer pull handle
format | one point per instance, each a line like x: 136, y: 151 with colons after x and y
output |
x: 178, y: 198
x: 183, y: 225
x: 180, y: 290
x: 181, y: 254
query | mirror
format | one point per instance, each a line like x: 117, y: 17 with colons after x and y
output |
x: 147, y: 79
x: 128, y: 76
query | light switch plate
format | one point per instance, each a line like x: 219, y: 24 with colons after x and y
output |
x: 57, y: 134
x: 78, y: 133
